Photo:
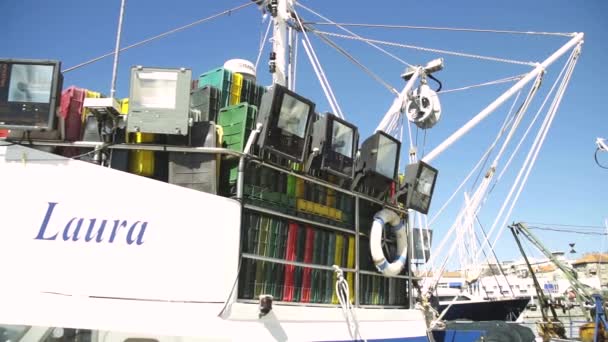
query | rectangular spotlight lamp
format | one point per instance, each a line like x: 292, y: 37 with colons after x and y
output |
x: 336, y: 141
x: 380, y: 156
x: 159, y: 100
x: 420, y: 180
x: 29, y: 93
x: 286, y: 119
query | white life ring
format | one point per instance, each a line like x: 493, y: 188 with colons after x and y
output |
x: 382, y: 218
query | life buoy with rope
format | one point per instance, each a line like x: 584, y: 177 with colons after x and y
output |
x: 383, y: 218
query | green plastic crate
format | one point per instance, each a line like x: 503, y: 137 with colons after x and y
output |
x: 219, y: 78
x: 237, y: 123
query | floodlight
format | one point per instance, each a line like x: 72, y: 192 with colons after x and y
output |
x: 417, y: 189
x: 29, y: 93
x: 378, y: 161
x: 333, y: 147
x: 286, y: 120
x: 159, y: 100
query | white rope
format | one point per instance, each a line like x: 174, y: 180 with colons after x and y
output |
x: 316, y: 70
x: 500, y: 81
x: 536, y: 116
x: 354, y: 35
x: 342, y: 291
x: 479, y: 196
x: 543, y: 134
x: 357, y: 62
x: 319, y: 70
x: 262, y: 44
x: 524, y: 166
x: 488, y: 151
x: 434, y: 28
x: 162, y: 35
x: 420, y: 48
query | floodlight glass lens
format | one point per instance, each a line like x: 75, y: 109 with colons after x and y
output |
x: 155, y: 89
x: 425, y: 182
x: 293, y: 116
x: 342, y: 139
x: 387, y: 157
x: 30, y: 83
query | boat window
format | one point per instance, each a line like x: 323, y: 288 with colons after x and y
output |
x: 12, y: 333
x: 68, y: 335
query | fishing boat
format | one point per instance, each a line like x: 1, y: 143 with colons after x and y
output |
x: 257, y: 217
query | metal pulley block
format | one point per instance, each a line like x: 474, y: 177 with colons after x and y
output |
x: 423, y: 107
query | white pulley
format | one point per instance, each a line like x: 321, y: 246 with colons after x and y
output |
x: 423, y: 107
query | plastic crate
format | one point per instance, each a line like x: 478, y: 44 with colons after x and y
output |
x: 219, y: 78
x: 205, y: 100
x: 237, y: 122
x: 235, y: 89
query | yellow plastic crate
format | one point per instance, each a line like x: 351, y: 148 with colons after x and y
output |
x: 235, y: 89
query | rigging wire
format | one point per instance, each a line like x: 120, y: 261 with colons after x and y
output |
x: 440, y: 51
x: 500, y: 81
x: 319, y: 70
x: 434, y: 28
x: 525, y: 135
x: 566, y: 225
x: 355, y: 36
x: 537, y: 144
x: 484, y: 156
x: 356, y: 62
x: 162, y: 35
x: 563, y: 230
x: 262, y: 45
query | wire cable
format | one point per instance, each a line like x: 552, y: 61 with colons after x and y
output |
x: 500, y: 81
x: 562, y: 230
x: 440, y: 51
x: 262, y: 44
x: 566, y: 225
x: 434, y: 28
x: 356, y: 36
x: 162, y: 35
x: 356, y: 62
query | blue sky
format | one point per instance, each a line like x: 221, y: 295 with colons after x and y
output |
x: 566, y: 186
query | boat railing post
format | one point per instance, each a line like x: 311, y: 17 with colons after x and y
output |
x: 240, y: 180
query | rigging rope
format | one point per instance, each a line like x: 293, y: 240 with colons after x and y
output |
x: 500, y: 81
x: 342, y: 291
x: 355, y: 36
x: 162, y: 35
x: 537, y: 144
x: 480, y: 194
x: 262, y: 44
x: 420, y: 48
x: 479, y: 163
x: 319, y: 70
x: 523, y: 138
x: 434, y: 28
x: 356, y: 62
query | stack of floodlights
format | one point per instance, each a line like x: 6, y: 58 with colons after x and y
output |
x: 333, y: 147
x: 29, y: 93
x: 159, y: 100
x: 417, y: 189
x: 378, y: 162
x: 286, y: 120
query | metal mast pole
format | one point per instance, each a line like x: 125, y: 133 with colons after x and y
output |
x: 280, y: 41
x: 117, y: 49
x: 578, y: 38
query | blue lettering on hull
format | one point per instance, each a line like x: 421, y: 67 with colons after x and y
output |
x: 96, y: 230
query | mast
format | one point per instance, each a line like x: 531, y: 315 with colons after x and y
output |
x: 117, y: 48
x: 281, y: 41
